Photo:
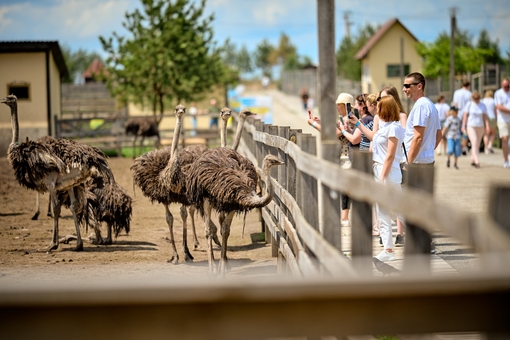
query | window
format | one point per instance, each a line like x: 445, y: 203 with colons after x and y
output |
x: 393, y: 71
x: 21, y: 91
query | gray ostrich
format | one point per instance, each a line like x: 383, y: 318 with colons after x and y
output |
x: 59, y: 166
x: 160, y: 174
x: 226, y: 181
x: 143, y: 127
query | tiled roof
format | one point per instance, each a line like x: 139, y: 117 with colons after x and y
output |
x: 378, y: 35
x: 96, y: 67
x: 37, y: 46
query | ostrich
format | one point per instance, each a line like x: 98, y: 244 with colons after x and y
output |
x: 43, y: 139
x: 58, y: 166
x: 160, y: 176
x: 142, y: 127
x: 226, y: 181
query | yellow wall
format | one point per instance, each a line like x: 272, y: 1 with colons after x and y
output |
x: 25, y: 68
x: 56, y: 94
x: 387, y: 52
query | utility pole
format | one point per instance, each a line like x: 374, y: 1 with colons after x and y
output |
x: 453, y: 27
x: 347, y: 24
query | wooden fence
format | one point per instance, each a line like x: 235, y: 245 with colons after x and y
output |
x: 325, y: 293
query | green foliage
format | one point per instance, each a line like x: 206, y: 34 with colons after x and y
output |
x: 437, y: 55
x: 262, y: 57
x: 347, y: 66
x: 77, y: 61
x: 485, y: 43
x: 169, y: 56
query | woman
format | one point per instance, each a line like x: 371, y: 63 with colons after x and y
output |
x: 355, y: 136
x: 475, y: 122
x: 488, y: 139
x: 387, y: 155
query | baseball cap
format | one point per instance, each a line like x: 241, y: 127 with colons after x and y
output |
x: 454, y: 108
x: 344, y: 98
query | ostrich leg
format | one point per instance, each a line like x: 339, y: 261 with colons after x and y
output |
x: 109, y: 239
x: 207, y: 220
x: 196, y: 244
x: 37, y: 211
x: 49, y: 209
x: 184, y: 215
x: 56, y: 214
x: 170, y: 221
x: 225, y: 233
x: 134, y: 147
x: 75, y: 208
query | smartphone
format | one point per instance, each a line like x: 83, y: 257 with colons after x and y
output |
x: 310, y: 114
x: 356, y: 113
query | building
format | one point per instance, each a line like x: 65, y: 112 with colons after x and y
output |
x: 381, y: 57
x: 33, y: 71
x: 95, y: 69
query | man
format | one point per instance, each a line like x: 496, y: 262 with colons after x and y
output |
x: 502, y: 101
x: 214, y: 110
x: 461, y: 97
x: 423, y: 129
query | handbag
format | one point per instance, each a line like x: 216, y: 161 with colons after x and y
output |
x: 402, y: 169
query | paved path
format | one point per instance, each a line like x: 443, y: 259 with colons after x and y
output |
x: 466, y: 188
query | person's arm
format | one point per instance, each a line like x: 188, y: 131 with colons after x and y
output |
x: 503, y: 108
x: 487, y: 125
x: 363, y: 129
x: 416, y: 143
x: 314, y: 121
x: 403, y: 119
x: 439, y: 137
x: 464, y: 122
x: 354, y: 137
x: 390, y: 157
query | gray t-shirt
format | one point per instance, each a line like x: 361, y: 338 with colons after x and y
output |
x: 452, y: 125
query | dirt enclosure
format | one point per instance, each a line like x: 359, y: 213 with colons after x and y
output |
x: 145, y: 251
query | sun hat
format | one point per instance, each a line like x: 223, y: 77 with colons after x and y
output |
x: 344, y: 98
x: 454, y: 108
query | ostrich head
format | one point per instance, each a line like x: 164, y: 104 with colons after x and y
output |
x: 180, y: 110
x: 225, y: 113
x: 246, y: 113
x: 269, y: 161
x: 9, y: 100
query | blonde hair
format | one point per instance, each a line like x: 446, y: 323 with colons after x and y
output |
x: 475, y: 95
x: 392, y: 91
x: 371, y: 99
x: 388, y: 109
x: 489, y: 94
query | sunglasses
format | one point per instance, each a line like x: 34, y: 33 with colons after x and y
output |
x: 409, y: 85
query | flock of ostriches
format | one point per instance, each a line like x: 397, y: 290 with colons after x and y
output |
x: 78, y: 176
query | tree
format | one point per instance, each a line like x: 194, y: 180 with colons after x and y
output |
x: 485, y: 42
x: 77, y: 62
x: 437, y: 55
x: 347, y: 66
x: 169, y: 56
x: 262, y: 57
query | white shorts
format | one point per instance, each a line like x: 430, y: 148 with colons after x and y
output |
x: 503, y: 129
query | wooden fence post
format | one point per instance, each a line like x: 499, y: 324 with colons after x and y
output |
x: 291, y: 167
x: 499, y: 196
x: 331, y: 201
x: 417, y: 240
x: 361, y: 222
x: 308, y: 191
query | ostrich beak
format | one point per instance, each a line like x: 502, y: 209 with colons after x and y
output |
x: 3, y: 100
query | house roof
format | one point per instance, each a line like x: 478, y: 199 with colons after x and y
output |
x: 378, y: 35
x: 37, y: 46
x: 96, y: 67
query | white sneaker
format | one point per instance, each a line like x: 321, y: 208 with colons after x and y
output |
x: 506, y: 165
x: 385, y: 256
x: 345, y: 223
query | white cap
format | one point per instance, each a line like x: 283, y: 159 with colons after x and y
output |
x: 344, y: 98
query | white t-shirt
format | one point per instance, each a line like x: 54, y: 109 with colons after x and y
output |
x: 380, y: 142
x: 424, y: 113
x: 193, y: 111
x: 461, y: 97
x: 475, y: 114
x: 491, y: 106
x: 502, y: 98
x: 442, y: 110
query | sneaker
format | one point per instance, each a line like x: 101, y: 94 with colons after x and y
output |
x: 506, y: 165
x: 448, y: 163
x: 345, y: 223
x: 385, y: 256
x: 456, y: 167
x: 491, y: 151
x: 380, y: 241
x: 399, y: 241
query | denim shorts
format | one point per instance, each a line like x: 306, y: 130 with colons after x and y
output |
x: 454, y: 147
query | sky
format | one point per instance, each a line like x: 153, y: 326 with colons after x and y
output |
x: 78, y: 23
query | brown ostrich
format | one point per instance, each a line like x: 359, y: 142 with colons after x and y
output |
x: 226, y: 181
x: 160, y: 176
x: 143, y: 127
x: 59, y: 166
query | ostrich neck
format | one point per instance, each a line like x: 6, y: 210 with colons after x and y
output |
x: 15, y: 124
x: 177, y: 132
x: 262, y: 201
x: 239, y: 131
x: 223, y: 133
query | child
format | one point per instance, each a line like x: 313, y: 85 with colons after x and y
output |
x: 451, y: 130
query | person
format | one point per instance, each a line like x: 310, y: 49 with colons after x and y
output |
x: 265, y: 82
x: 304, y: 98
x: 193, y: 111
x: 423, y: 129
x: 387, y: 153
x: 442, y: 110
x: 355, y: 136
x: 488, y: 140
x: 310, y: 103
x: 451, y: 130
x: 461, y: 97
x: 214, y: 110
x: 314, y: 121
x: 502, y: 101
x: 474, y: 123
